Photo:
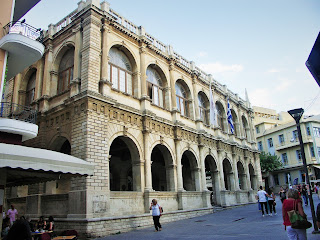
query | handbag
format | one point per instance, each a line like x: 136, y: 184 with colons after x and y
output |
x: 297, y: 221
x: 274, y: 203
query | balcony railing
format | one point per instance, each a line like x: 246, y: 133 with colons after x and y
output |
x: 18, y: 112
x: 20, y: 27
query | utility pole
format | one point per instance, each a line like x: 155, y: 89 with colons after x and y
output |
x: 297, y: 114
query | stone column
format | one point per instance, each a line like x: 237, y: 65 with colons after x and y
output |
x: 172, y: 84
x: 235, y: 171
x: 17, y: 84
x: 39, y: 79
x: 197, y: 176
x: 46, y: 76
x: 105, y: 84
x: 179, y: 166
x: 202, y: 168
x: 143, y: 71
x: 246, y: 168
x: 76, y: 81
x: 147, y: 165
x: 195, y: 97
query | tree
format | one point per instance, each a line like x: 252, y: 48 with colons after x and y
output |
x: 269, y: 162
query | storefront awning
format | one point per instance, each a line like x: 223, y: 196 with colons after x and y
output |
x: 26, y: 165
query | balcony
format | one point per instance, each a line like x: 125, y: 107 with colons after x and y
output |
x: 23, y: 44
x: 19, y: 120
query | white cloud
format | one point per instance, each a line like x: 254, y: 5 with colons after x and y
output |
x: 283, y: 85
x: 273, y: 70
x: 219, y: 67
x: 202, y: 54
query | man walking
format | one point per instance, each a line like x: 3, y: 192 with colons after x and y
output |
x: 262, y: 196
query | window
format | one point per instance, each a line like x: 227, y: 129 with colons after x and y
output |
x: 312, y: 152
x: 65, y: 71
x: 31, y: 89
x: 276, y: 179
x: 260, y: 146
x: 318, y: 151
x: 181, y: 97
x: 257, y: 129
x: 298, y: 155
x: 281, y: 139
x: 270, y: 142
x: 284, y: 159
x: 202, y: 108
x: 120, y: 71
x: 316, y: 131
x: 155, y: 89
x: 308, y: 131
x: 295, y: 135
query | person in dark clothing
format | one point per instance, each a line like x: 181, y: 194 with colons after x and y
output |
x: 283, y: 194
x: 318, y: 215
x: 20, y: 230
x: 304, y: 193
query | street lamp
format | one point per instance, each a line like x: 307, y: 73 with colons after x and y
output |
x: 297, y: 114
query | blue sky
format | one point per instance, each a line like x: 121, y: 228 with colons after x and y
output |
x: 256, y: 45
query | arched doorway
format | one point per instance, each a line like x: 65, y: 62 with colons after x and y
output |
x: 241, y: 176
x: 212, y: 178
x: 228, y: 175
x: 190, y: 172
x: 162, y: 169
x: 252, y: 177
x: 124, y: 175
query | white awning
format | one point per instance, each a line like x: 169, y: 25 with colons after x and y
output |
x: 44, y: 162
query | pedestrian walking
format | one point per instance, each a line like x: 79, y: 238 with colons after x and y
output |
x: 304, y: 193
x: 291, y: 203
x: 272, y: 202
x: 262, y: 196
x: 318, y: 216
x: 282, y: 194
x: 12, y: 214
x: 156, y: 214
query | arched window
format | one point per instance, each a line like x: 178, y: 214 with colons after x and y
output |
x: 120, y: 71
x: 66, y: 71
x: 203, y: 108
x: 30, y: 89
x: 155, y: 89
x: 181, y: 97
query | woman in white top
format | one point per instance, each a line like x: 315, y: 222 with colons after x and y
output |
x: 156, y: 213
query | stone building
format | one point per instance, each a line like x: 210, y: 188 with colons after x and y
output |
x: 110, y: 93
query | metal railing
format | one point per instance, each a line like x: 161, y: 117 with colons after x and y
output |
x: 20, y: 27
x: 18, y: 112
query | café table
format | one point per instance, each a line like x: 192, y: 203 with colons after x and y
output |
x: 64, y: 237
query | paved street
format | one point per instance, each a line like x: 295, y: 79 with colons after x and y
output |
x: 243, y: 222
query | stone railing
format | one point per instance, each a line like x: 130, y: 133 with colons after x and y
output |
x: 139, y: 31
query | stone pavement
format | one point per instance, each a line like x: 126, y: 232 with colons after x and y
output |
x: 244, y: 222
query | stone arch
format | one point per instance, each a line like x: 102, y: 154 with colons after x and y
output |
x: 157, y: 89
x: 190, y: 171
x: 252, y: 177
x: 222, y: 121
x: 61, y: 144
x: 212, y: 178
x: 242, y: 176
x: 131, y: 76
x: 235, y: 122
x: 124, y: 166
x: 183, y: 98
x: 162, y: 169
x: 61, y: 77
x: 27, y: 87
x: 204, y: 107
x: 228, y: 175
x: 245, y: 126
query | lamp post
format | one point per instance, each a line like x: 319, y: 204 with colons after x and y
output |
x: 297, y: 114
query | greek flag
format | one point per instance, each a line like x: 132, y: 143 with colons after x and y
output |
x: 229, y: 115
x: 213, y: 110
